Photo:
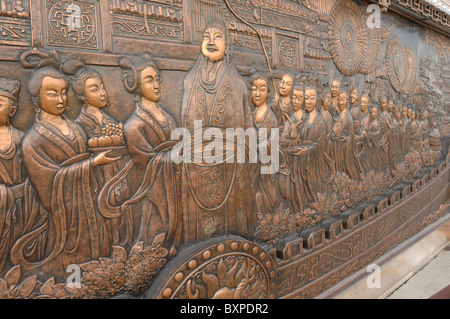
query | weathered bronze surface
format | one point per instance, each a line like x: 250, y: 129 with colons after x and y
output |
x: 215, y: 148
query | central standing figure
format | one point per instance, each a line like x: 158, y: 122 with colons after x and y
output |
x: 218, y: 197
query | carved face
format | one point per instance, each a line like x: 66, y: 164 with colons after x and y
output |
x: 53, y: 96
x: 327, y: 102
x: 286, y: 84
x: 310, y: 100
x: 424, y: 116
x: 409, y: 113
x: 354, y: 97
x: 95, y: 93
x: 342, y: 101
x: 413, y: 116
x: 391, y: 106
x: 335, y: 87
x: 383, y: 104
x: 297, y: 99
x: 374, y: 113
x: 213, y: 45
x: 150, y: 84
x: 364, y: 104
x: 4, y: 110
x: 405, y: 112
x: 259, y: 92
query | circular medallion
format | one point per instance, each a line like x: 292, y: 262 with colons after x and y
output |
x: 227, y: 267
x: 71, y: 22
x: 396, y: 64
x: 348, y: 37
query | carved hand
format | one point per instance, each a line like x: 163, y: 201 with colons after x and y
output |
x: 102, y: 159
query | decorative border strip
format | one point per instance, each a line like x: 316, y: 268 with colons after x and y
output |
x: 310, y: 265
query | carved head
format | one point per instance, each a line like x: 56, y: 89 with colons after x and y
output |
x: 260, y: 89
x: 48, y: 89
x: 405, y: 112
x: 89, y: 88
x: 409, y: 113
x: 326, y: 101
x: 310, y: 99
x: 9, y: 95
x: 354, y: 97
x: 390, y: 106
x: 342, y: 100
x: 297, y: 97
x: 383, y: 103
x: 335, y: 86
x: 374, y: 113
x: 150, y: 83
x: 364, y: 106
x: 215, y: 41
x: 286, y: 84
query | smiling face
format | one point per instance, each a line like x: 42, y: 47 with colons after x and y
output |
x: 95, y: 93
x: 150, y: 84
x: 53, y: 96
x: 335, y: 87
x: 259, y: 92
x: 4, y: 110
x: 310, y: 100
x: 342, y: 101
x: 297, y: 99
x: 286, y: 84
x: 364, y: 104
x: 354, y: 97
x: 214, y: 44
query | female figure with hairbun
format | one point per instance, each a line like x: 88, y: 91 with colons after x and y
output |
x: 148, y: 133
x: 12, y: 174
x: 62, y: 172
x: 90, y: 90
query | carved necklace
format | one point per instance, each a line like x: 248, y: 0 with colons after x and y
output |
x: 9, y: 154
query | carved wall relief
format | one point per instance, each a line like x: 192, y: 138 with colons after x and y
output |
x: 124, y: 109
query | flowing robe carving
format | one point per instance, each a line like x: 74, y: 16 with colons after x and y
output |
x: 20, y: 210
x: 314, y: 169
x: 386, y: 126
x: 293, y: 184
x: 218, y: 197
x: 342, y: 145
x: 378, y: 145
x: 120, y: 228
x: 268, y: 183
x: 159, y: 186
x: 362, y: 145
x: 61, y: 172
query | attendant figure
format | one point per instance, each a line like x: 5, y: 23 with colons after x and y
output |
x: 335, y: 89
x: 102, y: 129
x: 62, y: 173
x: 264, y: 118
x: 386, y: 126
x: 361, y: 139
x: 354, y: 106
x: 376, y: 141
x: 12, y: 175
x: 282, y: 105
x: 148, y: 132
x: 290, y: 140
x: 342, y: 142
